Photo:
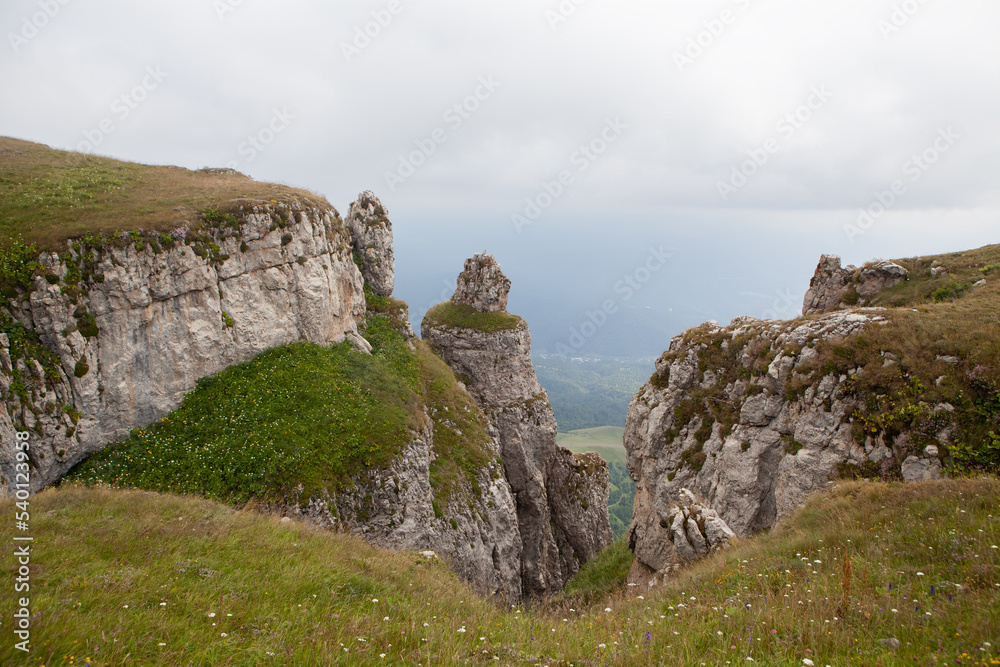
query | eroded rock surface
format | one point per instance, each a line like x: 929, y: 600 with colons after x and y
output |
x: 482, y: 285
x: 371, y: 233
x: 561, y: 497
x: 744, y: 418
x: 833, y: 287
x: 132, y: 334
x: 476, y: 533
x: 688, y: 531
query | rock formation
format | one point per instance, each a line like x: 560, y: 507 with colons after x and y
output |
x: 691, y: 531
x: 561, y: 497
x: 746, y: 418
x: 833, y: 287
x: 130, y: 324
x: 394, y: 508
x: 371, y: 233
x: 482, y: 285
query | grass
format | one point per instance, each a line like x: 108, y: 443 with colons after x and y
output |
x: 51, y: 195
x: 463, y: 316
x: 947, y: 351
x: 302, y: 414
x: 132, y: 578
x: 933, y: 350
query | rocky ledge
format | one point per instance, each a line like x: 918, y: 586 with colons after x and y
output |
x: 561, y: 497
x: 755, y: 416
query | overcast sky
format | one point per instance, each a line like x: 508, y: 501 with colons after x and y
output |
x: 742, y: 136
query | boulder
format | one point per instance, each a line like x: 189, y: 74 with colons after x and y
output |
x: 482, y: 285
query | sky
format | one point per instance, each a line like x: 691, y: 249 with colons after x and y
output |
x: 636, y: 167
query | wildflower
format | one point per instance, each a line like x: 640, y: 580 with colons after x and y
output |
x: 462, y: 629
x: 606, y: 609
x: 375, y: 600
x: 223, y: 635
x: 807, y: 662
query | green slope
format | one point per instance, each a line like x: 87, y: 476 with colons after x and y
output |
x: 52, y: 195
x: 133, y: 578
x: 301, y: 414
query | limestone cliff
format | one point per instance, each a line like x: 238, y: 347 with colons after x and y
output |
x: 476, y: 532
x: 755, y: 416
x: 833, y: 287
x: 128, y: 324
x: 561, y: 497
x: 371, y: 233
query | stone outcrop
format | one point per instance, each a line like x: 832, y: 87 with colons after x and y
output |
x: 128, y: 325
x: 689, y: 531
x: 746, y: 418
x: 371, y: 233
x: 482, y: 285
x: 833, y: 287
x: 393, y: 508
x: 561, y: 497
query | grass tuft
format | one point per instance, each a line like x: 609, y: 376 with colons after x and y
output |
x: 463, y: 316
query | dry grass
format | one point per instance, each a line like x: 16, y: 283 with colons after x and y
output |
x: 51, y: 195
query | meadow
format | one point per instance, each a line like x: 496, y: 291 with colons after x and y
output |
x: 867, y: 573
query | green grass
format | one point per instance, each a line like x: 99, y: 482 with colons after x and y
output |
x: 302, y: 414
x: 463, y: 316
x: 602, y: 576
x: 115, y: 574
x: 605, y: 440
x: 51, y: 195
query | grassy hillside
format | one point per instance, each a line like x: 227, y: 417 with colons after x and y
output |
x: 51, y: 195
x: 300, y: 414
x: 133, y: 578
x: 593, y: 392
x: 941, y: 345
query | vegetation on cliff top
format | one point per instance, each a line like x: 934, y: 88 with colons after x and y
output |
x: 52, y: 195
x: 302, y: 414
x: 463, y: 316
x: 940, y: 347
x: 132, y: 578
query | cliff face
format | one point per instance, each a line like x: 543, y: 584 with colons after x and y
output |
x: 476, y: 533
x: 371, y: 231
x: 833, y: 287
x: 561, y: 498
x: 130, y: 324
x: 755, y: 416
